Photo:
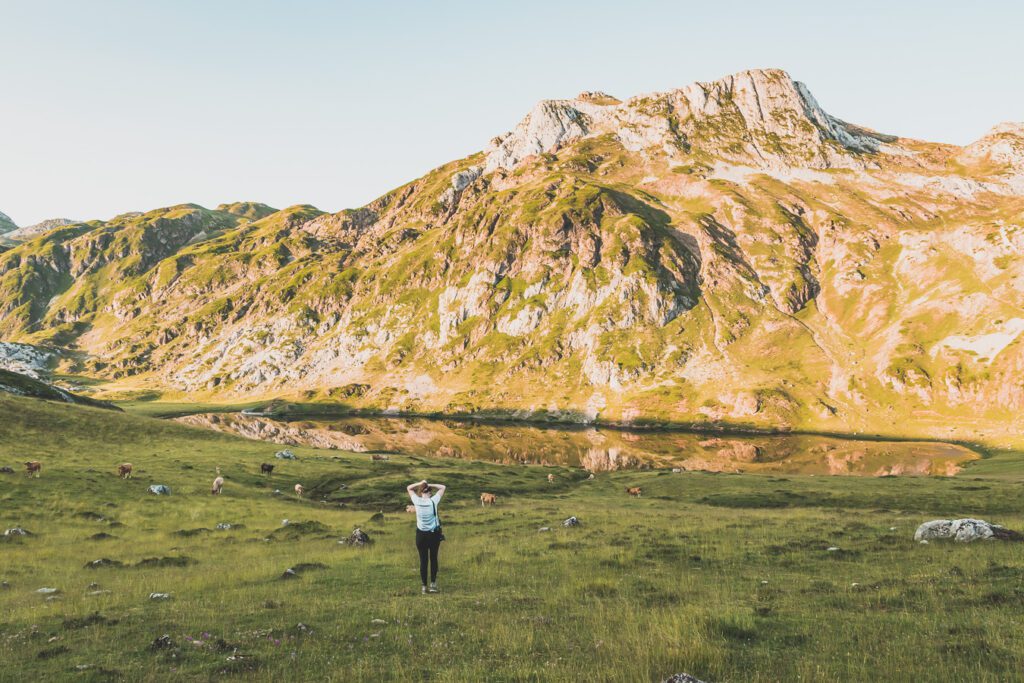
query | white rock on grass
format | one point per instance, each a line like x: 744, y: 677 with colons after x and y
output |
x: 964, y: 531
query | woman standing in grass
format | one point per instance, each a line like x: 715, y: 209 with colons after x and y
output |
x: 428, y: 528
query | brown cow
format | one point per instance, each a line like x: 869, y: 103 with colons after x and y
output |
x: 633, y: 491
x: 266, y: 468
x: 33, y: 467
x: 124, y: 470
x: 487, y: 499
x: 551, y: 477
x: 299, y: 490
x: 218, y: 484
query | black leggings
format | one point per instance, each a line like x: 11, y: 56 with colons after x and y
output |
x: 428, y: 542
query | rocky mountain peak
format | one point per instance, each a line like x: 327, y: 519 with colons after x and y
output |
x: 759, y: 117
x: 1003, y: 145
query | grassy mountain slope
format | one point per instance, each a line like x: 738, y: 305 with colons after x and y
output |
x: 726, y: 252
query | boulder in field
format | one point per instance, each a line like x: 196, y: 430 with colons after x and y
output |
x: 285, y: 455
x: 965, y: 531
x: 682, y: 678
x: 160, y: 490
x: 572, y: 521
x: 358, y: 537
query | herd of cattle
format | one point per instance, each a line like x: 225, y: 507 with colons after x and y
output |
x: 125, y: 470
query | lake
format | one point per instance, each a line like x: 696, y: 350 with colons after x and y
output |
x: 600, y: 449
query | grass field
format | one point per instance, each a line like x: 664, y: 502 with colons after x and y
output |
x: 727, y: 577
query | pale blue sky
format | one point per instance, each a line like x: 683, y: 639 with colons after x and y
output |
x: 116, y: 106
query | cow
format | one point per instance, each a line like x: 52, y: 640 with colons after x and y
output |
x: 124, y: 470
x: 33, y: 467
x: 266, y: 468
x: 299, y: 490
x: 551, y: 478
x: 633, y: 491
x: 410, y: 508
x: 218, y: 484
x: 487, y: 499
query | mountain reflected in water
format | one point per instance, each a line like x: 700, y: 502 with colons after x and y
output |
x: 600, y: 449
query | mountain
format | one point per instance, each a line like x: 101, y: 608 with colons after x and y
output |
x: 6, y: 224
x: 29, y: 232
x: 726, y: 252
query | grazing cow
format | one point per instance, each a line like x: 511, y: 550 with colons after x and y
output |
x: 218, y: 484
x: 551, y: 477
x: 124, y: 470
x: 266, y: 468
x: 410, y: 508
x: 633, y: 491
x: 487, y: 499
x: 380, y: 456
x: 33, y: 467
x: 299, y: 490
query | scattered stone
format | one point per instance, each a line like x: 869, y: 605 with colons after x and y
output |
x: 285, y: 455
x: 101, y: 536
x: 47, y: 591
x: 6, y: 470
x: 358, y: 537
x: 95, y: 593
x: 17, y: 531
x: 299, y: 569
x: 378, y: 622
x: 276, y: 492
x: 572, y: 521
x: 103, y: 562
x: 676, y: 470
x: 160, y: 490
x: 965, y: 531
x: 4, y: 585
x: 159, y: 596
x: 682, y: 678
x: 832, y: 549
x: 377, y: 517
x: 164, y: 642
x: 225, y: 526
x: 544, y: 528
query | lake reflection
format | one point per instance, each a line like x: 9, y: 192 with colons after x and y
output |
x: 597, y: 449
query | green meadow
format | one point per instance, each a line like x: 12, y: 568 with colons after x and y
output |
x: 726, y: 577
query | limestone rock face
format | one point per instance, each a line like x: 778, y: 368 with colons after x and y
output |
x: 776, y: 122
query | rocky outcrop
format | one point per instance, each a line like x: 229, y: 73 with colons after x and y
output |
x: 775, y: 122
x: 964, y: 531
